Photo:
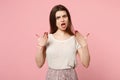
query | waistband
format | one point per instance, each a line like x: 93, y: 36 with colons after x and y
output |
x: 61, y: 69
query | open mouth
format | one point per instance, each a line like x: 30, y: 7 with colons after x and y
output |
x: 63, y: 24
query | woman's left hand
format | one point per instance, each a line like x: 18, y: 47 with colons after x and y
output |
x: 82, y: 40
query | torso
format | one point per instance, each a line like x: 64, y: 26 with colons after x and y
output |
x: 61, y: 53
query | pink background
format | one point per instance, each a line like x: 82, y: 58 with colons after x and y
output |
x: 20, y: 20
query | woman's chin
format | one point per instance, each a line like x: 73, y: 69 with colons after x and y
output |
x: 63, y: 29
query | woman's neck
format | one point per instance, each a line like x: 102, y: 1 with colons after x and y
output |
x: 61, y: 33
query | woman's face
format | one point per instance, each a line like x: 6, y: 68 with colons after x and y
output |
x: 61, y: 20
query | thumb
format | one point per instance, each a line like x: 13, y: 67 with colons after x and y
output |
x: 87, y: 35
x: 46, y: 34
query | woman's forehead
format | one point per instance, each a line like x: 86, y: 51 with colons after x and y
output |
x: 60, y: 13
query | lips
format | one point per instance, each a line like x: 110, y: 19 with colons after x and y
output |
x: 63, y: 24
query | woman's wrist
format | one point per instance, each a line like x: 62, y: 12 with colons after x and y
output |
x: 84, y: 44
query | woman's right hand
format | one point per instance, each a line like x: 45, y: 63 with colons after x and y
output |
x: 42, y: 41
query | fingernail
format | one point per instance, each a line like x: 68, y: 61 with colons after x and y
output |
x: 76, y: 31
x: 44, y: 33
x: 88, y: 34
x: 37, y: 35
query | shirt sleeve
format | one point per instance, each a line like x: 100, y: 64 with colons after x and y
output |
x: 77, y: 45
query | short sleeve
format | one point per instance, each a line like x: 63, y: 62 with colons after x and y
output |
x: 77, y: 45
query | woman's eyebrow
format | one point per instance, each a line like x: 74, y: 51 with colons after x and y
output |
x: 64, y: 15
x: 58, y: 17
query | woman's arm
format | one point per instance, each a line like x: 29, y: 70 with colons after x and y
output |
x: 40, y: 56
x: 84, y: 56
x: 83, y: 50
x: 41, y: 50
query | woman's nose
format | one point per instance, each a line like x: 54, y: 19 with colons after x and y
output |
x: 62, y: 19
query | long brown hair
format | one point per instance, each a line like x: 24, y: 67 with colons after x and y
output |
x: 52, y: 19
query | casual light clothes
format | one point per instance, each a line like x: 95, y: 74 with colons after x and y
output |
x: 61, y: 58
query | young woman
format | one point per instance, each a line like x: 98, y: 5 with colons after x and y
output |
x: 61, y: 46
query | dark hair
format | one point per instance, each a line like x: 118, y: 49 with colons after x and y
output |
x: 52, y: 19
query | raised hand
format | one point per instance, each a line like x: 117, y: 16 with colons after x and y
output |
x: 81, y: 39
x: 42, y: 41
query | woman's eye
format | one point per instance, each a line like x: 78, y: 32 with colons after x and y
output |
x: 57, y: 17
x: 65, y: 16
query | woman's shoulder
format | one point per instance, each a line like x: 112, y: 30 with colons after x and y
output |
x: 49, y: 35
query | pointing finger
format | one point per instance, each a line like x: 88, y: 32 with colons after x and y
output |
x: 87, y: 35
x: 37, y: 35
x: 45, y: 34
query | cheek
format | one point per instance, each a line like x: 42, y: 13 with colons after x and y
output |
x: 57, y: 23
x: 67, y: 21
